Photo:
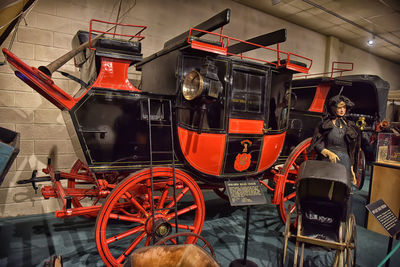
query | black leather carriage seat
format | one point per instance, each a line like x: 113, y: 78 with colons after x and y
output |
x: 89, y: 61
x: 105, y: 46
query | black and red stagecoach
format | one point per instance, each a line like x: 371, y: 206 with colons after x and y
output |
x: 206, y: 110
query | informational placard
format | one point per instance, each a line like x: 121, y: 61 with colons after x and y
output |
x: 385, y: 216
x: 243, y: 193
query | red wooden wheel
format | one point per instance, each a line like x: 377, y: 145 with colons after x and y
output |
x: 286, y: 185
x: 90, y: 184
x: 80, y: 168
x: 125, y: 221
x: 221, y: 192
x: 359, y: 170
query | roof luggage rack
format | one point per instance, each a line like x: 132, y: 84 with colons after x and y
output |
x: 336, y: 67
x: 123, y: 47
x: 222, y: 43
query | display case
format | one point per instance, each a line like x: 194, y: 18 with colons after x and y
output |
x: 388, y: 150
x: 385, y: 180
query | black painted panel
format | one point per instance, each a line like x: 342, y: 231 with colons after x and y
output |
x: 113, y: 129
x: 235, y: 147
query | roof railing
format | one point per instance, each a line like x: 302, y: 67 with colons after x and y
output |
x: 337, y: 67
x: 222, y: 47
x: 137, y: 35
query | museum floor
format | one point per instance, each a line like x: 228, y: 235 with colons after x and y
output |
x: 30, y: 240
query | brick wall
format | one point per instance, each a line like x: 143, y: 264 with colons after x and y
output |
x: 47, y: 35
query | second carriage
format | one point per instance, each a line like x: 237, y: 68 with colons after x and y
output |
x: 309, y: 95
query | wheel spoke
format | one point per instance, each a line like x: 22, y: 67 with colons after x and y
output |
x: 125, y: 234
x: 149, y: 191
x: 135, y: 203
x: 127, y: 213
x: 182, y: 211
x: 293, y: 208
x: 350, y: 257
x: 126, y: 218
x: 130, y: 248
x: 305, y: 156
x: 147, y: 241
x: 296, y: 166
x: 290, y: 196
x: 184, y: 226
x: 178, y: 197
x: 163, y: 197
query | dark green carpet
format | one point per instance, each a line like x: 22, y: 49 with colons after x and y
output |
x: 30, y: 240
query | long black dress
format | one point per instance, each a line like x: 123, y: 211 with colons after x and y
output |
x: 342, y: 139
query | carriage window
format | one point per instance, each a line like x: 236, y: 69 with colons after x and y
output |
x: 279, y: 101
x: 247, y: 92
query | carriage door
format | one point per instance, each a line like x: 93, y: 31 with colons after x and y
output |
x: 247, y: 118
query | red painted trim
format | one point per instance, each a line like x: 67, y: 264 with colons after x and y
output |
x: 245, y: 126
x: 271, y: 149
x: 204, y: 152
x: 114, y: 74
x: 209, y: 48
x: 320, y: 97
x: 40, y: 82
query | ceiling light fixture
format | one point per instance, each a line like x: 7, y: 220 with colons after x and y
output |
x: 371, y: 42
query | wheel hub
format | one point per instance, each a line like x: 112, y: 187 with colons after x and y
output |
x: 160, y: 228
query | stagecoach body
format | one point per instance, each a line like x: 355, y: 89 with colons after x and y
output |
x: 110, y: 127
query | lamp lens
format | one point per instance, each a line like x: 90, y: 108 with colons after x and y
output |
x: 192, y: 85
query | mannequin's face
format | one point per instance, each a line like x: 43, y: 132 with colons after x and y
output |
x: 341, y: 111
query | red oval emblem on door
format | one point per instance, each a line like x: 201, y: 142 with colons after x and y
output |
x: 242, y: 162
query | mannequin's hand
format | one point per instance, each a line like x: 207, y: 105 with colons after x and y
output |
x: 332, y: 156
x: 354, y: 176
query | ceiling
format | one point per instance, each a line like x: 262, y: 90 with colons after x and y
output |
x: 352, y: 21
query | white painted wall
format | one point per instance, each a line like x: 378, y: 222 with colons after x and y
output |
x: 48, y: 33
